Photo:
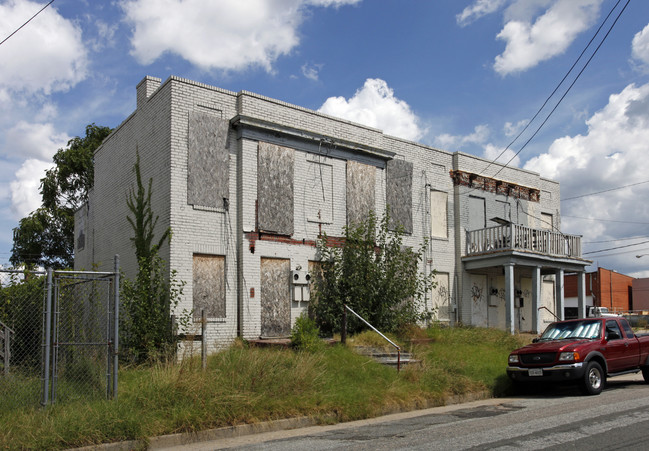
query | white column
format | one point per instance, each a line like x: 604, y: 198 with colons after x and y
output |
x: 536, y: 299
x: 581, y: 294
x: 559, y: 294
x: 509, y: 297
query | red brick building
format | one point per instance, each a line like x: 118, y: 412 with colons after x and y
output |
x: 604, y: 288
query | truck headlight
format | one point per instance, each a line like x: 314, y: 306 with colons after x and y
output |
x: 568, y: 356
x: 513, y: 358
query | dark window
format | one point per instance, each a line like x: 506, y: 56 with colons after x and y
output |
x: 627, y: 329
x: 613, y: 330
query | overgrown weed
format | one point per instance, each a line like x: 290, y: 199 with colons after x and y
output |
x: 246, y: 385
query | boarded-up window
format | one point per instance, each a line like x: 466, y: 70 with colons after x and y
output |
x: 546, y: 221
x: 319, y: 192
x: 477, y: 217
x: 207, y: 161
x: 275, y: 297
x: 399, y: 194
x: 360, y: 191
x: 440, y: 297
x: 439, y: 214
x: 208, y: 286
x: 503, y: 212
x: 275, y: 189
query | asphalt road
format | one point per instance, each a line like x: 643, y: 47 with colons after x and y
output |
x: 552, y: 418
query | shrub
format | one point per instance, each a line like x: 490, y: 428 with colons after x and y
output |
x: 305, y: 335
x: 375, y: 274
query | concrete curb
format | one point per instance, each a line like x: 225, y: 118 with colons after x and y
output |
x: 186, y: 438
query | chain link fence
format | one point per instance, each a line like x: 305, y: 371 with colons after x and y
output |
x: 58, y: 336
x: 22, y: 307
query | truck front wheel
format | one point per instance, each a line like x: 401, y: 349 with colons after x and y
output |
x: 645, y: 373
x: 593, y: 380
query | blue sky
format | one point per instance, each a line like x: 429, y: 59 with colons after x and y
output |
x: 456, y: 75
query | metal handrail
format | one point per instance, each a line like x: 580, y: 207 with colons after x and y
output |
x: 378, y: 332
x: 551, y: 312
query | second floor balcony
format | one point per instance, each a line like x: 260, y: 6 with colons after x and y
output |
x: 514, y: 237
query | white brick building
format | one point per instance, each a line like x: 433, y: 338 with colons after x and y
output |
x: 247, y: 183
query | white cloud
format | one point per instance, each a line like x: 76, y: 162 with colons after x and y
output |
x: 479, y: 138
x: 25, y: 196
x: 528, y: 44
x: 611, y: 154
x: 334, y: 3
x: 311, y: 71
x: 477, y: 10
x: 26, y: 140
x: 511, y: 129
x: 106, y: 34
x: 228, y: 34
x: 47, y: 57
x: 640, y: 46
x: 376, y: 106
x: 36, y: 144
x: 508, y: 157
x: 454, y: 142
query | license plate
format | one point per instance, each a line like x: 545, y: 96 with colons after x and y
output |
x: 535, y: 372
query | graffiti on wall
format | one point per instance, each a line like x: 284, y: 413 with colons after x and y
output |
x: 476, y: 293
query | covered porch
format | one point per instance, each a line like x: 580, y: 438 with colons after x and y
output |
x: 510, y: 253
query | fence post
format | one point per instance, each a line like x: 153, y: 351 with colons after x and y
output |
x: 203, y: 340
x: 6, y: 334
x: 48, y: 338
x: 343, y: 326
x: 116, y: 330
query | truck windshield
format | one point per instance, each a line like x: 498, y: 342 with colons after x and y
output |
x: 574, y: 329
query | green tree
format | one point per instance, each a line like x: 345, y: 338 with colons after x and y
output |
x: 143, y: 222
x: 374, y: 274
x: 46, y: 236
x: 150, y: 298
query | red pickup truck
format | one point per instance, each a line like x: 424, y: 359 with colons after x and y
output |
x: 586, y: 351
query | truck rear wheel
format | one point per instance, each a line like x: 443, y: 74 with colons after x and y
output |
x: 593, y: 380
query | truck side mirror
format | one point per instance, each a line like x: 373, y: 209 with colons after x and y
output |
x: 612, y: 335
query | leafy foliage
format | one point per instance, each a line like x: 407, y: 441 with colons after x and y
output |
x: 305, y: 335
x: 374, y: 274
x: 148, y: 301
x: 21, y: 305
x: 46, y: 236
x: 154, y: 294
x: 143, y: 222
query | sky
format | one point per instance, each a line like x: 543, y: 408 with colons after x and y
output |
x: 458, y: 75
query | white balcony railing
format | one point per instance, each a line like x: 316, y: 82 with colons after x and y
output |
x: 517, y: 237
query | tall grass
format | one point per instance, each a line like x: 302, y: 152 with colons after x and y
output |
x: 247, y: 385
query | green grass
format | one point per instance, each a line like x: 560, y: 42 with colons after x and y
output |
x: 247, y: 385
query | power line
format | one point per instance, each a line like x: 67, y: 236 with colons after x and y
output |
x: 605, y: 220
x: 30, y: 19
x: 619, y: 253
x: 604, y: 191
x: 555, y: 89
x: 569, y: 88
x: 616, y: 240
x: 615, y: 248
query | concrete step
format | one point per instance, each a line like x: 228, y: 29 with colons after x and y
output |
x: 390, y: 358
